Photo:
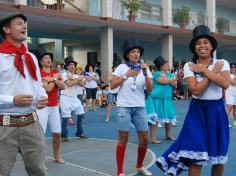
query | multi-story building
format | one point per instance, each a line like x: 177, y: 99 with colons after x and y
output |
x: 92, y: 30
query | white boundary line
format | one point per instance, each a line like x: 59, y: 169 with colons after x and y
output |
x: 100, y: 173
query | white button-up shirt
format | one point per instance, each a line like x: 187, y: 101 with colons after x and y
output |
x: 13, y: 83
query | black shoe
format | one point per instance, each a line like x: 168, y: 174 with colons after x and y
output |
x: 82, y: 136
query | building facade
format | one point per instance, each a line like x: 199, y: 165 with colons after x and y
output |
x: 94, y: 30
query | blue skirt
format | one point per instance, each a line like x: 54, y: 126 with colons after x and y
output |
x: 204, y: 138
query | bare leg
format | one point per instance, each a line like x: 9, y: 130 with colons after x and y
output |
x: 108, y: 112
x: 153, y: 139
x: 94, y: 104
x: 56, y: 147
x: 217, y: 170
x: 194, y: 170
x: 168, y: 127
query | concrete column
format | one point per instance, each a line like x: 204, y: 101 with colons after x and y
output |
x: 21, y: 2
x: 106, y: 52
x: 59, y: 50
x: 167, y: 12
x: 167, y: 48
x: 211, y: 14
x: 106, y: 8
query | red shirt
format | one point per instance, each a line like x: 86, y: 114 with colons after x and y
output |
x: 52, y: 96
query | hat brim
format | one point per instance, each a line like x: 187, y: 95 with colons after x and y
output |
x: 71, y: 62
x: 210, y: 38
x: 134, y: 47
x: 50, y: 54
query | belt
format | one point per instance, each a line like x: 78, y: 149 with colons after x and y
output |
x: 18, y: 120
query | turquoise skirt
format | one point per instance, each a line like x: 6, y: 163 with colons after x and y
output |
x: 160, y: 110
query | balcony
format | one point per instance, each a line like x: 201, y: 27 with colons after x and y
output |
x: 84, y: 7
x: 187, y: 20
x: 225, y: 26
x: 148, y: 13
x: 7, y: 1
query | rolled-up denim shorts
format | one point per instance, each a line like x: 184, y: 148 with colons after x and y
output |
x: 135, y: 115
x: 111, y: 97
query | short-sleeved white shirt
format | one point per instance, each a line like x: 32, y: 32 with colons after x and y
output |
x: 128, y: 97
x: 92, y: 83
x: 213, y: 92
x: 232, y: 88
x: 69, y: 91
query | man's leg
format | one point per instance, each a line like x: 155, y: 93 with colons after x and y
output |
x: 8, y: 149
x: 32, y: 148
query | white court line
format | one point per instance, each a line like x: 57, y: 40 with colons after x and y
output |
x: 82, y: 167
x: 100, y: 173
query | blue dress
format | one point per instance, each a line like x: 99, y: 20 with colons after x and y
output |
x: 159, y: 104
x: 204, y: 138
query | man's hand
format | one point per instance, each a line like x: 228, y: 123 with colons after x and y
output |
x: 42, y: 102
x: 23, y: 100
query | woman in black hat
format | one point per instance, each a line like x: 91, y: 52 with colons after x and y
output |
x: 204, y: 138
x: 132, y: 79
x: 159, y: 104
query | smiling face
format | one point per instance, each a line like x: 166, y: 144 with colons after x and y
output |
x: 134, y: 56
x: 203, y: 48
x: 164, y: 67
x: 16, y: 30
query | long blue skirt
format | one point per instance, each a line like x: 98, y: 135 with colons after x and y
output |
x: 204, y: 138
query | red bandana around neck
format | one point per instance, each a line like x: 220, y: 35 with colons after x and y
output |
x: 8, y: 48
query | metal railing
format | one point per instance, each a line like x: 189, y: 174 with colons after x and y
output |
x: 147, y: 13
x: 187, y: 20
x: 86, y: 7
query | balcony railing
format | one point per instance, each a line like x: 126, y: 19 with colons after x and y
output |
x: 225, y: 26
x: 187, y: 20
x: 148, y: 13
x: 7, y: 1
x: 86, y: 7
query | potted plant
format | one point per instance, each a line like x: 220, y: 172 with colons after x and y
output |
x: 181, y: 16
x: 221, y: 24
x: 59, y: 5
x: 132, y: 7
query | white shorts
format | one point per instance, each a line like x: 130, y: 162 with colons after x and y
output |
x: 70, y: 105
x: 51, y: 115
x: 230, y: 99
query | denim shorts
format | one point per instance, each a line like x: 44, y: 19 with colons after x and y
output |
x: 111, y: 97
x: 136, y: 115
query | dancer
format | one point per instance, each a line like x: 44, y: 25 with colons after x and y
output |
x: 21, y: 92
x: 132, y: 80
x: 204, y: 138
x: 51, y: 82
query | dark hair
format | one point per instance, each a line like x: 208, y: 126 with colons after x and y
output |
x: 87, y: 67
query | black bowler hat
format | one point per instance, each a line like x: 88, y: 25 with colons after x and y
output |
x: 202, y: 31
x: 42, y: 52
x: 159, y: 61
x: 130, y: 44
x: 7, y: 20
x: 69, y: 60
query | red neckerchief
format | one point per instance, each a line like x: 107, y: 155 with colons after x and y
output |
x: 8, y: 48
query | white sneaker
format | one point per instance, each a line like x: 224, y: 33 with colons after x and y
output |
x: 160, y: 125
x: 230, y: 126
x: 234, y: 123
x: 174, y: 123
x: 143, y: 171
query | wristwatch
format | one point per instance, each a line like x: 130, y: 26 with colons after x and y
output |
x: 124, y: 76
x: 55, y: 79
